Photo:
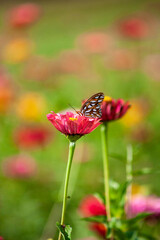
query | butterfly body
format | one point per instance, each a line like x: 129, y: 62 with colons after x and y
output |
x: 92, y: 107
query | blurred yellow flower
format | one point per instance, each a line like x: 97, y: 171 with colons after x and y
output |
x: 31, y: 106
x: 134, y: 116
x: 139, y: 190
x: 17, y: 50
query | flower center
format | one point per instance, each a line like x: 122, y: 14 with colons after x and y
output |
x: 107, y: 99
x: 73, y: 119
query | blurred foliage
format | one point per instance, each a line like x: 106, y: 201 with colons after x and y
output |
x: 26, y: 204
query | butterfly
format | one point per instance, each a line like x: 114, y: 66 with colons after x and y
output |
x: 92, y: 106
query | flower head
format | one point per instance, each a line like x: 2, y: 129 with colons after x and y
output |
x: 92, y: 206
x: 136, y: 114
x: 30, y: 106
x: 73, y: 125
x: 19, y: 166
x: 24, y: 15
x: 32, y: 136
x: 135, y: 28
x: 149, y: 204
x: 17, y: 50
x: 95, y: 42
x: 113, y: 109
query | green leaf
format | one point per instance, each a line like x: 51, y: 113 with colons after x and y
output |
x: 121, y: 198
x: 139, y: 217
x: 65, y: 230
x: 146, y: 236
x: 145, y: 171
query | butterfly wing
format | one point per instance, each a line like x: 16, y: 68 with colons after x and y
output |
x: 92, y: 107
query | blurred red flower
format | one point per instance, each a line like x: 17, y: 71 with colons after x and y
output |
x: 32, y: 136
x: 135, y: 28
x: 1, y: 238
x: 92, y: 206
x: 19, y: 166
x: 24, y: 15
x: 73, y: 125
x: 96, y: 42
x: 113, y: 109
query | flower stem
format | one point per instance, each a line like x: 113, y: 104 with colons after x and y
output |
x: 70, y: 157
x: 105, y: 168
x: 129, y: 176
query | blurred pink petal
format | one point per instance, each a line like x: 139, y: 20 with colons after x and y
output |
x: 19, y: 166
x: 72, y: 62
x: 95, y: 42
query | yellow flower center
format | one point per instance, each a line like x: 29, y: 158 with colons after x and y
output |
x: 73, y: 119
x: 107, y: 99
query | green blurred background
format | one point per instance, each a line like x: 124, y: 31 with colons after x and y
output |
x: 72, y: 50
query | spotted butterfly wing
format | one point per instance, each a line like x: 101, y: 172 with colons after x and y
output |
x: 92, y: 107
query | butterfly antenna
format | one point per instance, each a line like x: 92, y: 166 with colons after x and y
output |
x: 73, y: 108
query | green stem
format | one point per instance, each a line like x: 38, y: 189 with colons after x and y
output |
x: 70, y: 157
x: 129, y: 176
x: 105, y: 168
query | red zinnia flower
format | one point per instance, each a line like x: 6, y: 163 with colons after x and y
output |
x: 113, y: 109
x: 134, y: 28
x: 24, y: 15
x: 73, y: 125
x: 92, y: 206
x: 31, y: 136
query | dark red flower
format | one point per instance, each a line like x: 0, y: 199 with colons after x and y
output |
x: 113, y: 109
x: 92, y: 206
x: 32, y: 136
x: 24, y: 15
x: 73, y: 125
x: 1, y: 238
x: 136, y: 28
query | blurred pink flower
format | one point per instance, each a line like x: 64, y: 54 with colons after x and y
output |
x: 19, y: 166
x: 39, y: 68
x: 151, y: 66
x: 1, y: 238
x: 92, y: 206
x: 95, y: 42
x: 122, y: 59
x: 32, y: 136
x: 135, y: 28
x: 73, y: 125
x: 24, y: 15
x: 148, y: 204
x: 113, y: 109
x: 72, y: 62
